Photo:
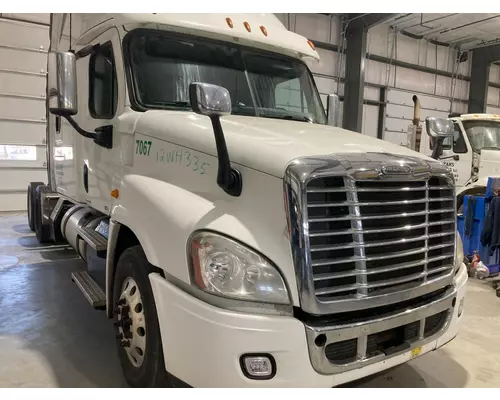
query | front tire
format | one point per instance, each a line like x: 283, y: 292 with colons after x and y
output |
x: 42, y: 231
x: 136, y: 323
x: 31, y: 196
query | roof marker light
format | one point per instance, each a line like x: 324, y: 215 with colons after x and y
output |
x: 311, y: 44
x: 264, y: 30
x: 247, y: 25
x: 229, y: 22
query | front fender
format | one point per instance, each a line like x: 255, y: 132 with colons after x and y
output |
x: 161, y: 215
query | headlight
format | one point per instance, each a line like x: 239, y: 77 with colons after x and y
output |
x: 226, y: 268
x: 459, y: 258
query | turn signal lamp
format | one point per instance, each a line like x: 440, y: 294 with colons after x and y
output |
x: 115, y: 193
x: 311, y: 44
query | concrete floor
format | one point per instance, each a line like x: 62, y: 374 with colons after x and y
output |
x: 51, y: 337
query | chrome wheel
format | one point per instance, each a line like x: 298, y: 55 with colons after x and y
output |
x: 131, y: 322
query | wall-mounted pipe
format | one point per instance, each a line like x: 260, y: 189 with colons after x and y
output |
x: 416, y: 110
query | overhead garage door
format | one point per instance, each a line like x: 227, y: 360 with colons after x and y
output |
x: 24, y: 40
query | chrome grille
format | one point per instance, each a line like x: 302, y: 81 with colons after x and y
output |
x: 374, y: 237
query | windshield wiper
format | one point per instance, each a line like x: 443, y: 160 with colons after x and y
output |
x: 289, y: 117
x: 171, y: 103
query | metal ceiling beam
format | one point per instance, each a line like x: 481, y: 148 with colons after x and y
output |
x: 479, y: 77
x: 354, y: 86
x: 371, y: 20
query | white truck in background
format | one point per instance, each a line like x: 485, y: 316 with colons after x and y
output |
x: 234, y: 236
x: 472, y: 153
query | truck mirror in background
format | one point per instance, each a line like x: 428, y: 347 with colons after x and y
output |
x: 62, y: 84
x: 438, y: 129
x: 215, y: 101
x: 333, y: 109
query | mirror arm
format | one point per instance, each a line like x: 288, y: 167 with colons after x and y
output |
x: 103, y: 136
x: 436, y: 152
x: 228, y: 178
x: 83, y: 132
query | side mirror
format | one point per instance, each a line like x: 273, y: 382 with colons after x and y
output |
x: 439, y: 128
x: 333, y: 109
x: 63, y: 96
x: 210, y: 100
x: 215, y: 101
x: 62, y: 84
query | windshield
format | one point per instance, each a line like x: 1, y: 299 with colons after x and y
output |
x: 483, y: 134
x: 261, y: 84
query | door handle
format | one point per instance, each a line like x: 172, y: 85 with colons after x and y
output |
x: 455, y: 157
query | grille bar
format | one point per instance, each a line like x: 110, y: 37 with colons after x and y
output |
x: 368, y: 237
x: 366, y: 231
x: 376, y: 203
x: 338, y: 190
x: 399, y: 215
x: 394, y: 267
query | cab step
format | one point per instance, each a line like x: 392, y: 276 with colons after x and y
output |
x: 90, y: 289
x: 95, y: 240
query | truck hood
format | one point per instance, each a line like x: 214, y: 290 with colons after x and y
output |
x: 264, y: 144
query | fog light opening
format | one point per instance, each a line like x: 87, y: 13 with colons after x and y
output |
x: 320, y: 340
x: 258, y: 366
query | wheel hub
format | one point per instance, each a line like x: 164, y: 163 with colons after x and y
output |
x: 131, y: 323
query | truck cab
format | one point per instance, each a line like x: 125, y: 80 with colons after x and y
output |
x: 234, y: 236
x: 473, y: 153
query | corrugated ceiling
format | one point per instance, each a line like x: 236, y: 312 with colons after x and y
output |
x: 466, y: 31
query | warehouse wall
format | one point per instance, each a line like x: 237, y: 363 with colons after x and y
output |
x: 435, y: 91
x: 24, y: 40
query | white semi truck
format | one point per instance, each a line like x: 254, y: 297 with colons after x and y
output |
x: 472, y: 153
x: 235, y: 236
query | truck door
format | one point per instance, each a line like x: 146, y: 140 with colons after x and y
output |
x: 457, y: 155
x: 100, y: 99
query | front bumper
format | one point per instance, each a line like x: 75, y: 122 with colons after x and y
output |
x: 202, y: 344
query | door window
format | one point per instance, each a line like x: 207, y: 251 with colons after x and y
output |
x: 103, y: 87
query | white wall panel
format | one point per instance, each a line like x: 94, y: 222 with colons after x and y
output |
x: 459, y: 107
x: 493, y: 96
x: 19, y: 108
x: 328, y: 64
x: 370, y: 118
x: 23, y: 60
x: 22, y: 84
x: 431, y: 56
x: 403, y: 97
x: 376, y: 42
x: 36, y: 18
x: 19, y: 179
x: 443, y: 86
x: 17, y: 132
x: 492, y: 110
x: 376, y: 72
x: 407, y: 49
x: 317, y: 27
x: 25, y: 35
x: 443, y: 58
x: 326, y: 85
x: 23, y: 55
x: 494, y: 73
x: 414, y: 80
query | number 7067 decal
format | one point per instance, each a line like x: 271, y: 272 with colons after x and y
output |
x: 143, y: 147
